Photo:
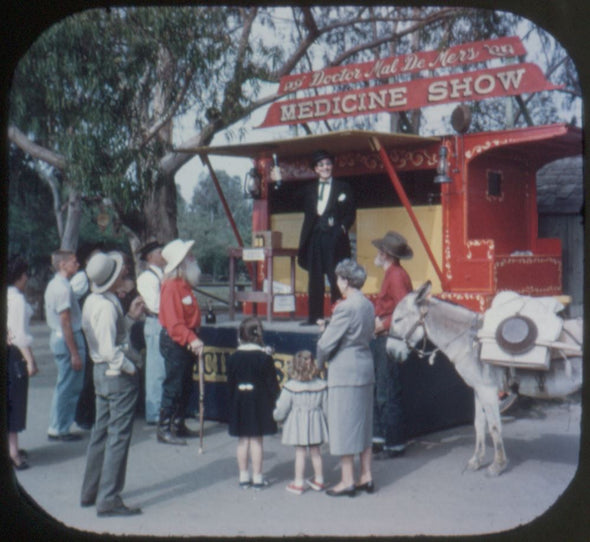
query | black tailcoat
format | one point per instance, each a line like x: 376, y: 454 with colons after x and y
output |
x: 341, y: 209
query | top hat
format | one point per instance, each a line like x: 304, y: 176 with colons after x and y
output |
x: 395, y: 245
x: 174, y: 252
x: 318, y: 156
x: 147, y: 248
x: 103, y: 270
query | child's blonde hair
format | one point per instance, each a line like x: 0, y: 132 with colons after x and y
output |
x: 302, y: 366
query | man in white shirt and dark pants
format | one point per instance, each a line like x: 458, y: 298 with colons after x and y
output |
x: 116, y: 385
x: 148, y: 286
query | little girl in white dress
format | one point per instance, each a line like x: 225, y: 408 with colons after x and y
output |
x: 302, y: 406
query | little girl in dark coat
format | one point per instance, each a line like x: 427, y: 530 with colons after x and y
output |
x: 253, y: 389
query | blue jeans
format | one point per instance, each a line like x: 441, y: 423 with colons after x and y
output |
x: 69, y: 383
x: 155, y: 369
x: 388, y: 415
x: 108, y: 449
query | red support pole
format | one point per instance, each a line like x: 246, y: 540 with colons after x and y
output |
x: 406, y: 203
x: 205, y: 160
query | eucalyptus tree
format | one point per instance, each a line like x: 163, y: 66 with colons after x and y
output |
x: 203, y: 219
x: 97, y: 98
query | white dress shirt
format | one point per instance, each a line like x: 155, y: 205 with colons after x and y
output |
x: 325, y: 195
x: 106, y: 331
x: 18, y: 317
x: 148, y: 286
x: 80, y: 284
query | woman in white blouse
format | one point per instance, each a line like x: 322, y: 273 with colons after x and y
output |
x: 21, y: 363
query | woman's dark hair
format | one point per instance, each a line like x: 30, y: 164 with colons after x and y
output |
x: 15, y: 268
x: 250, y: 331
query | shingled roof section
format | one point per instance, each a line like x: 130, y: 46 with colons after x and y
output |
x: 560, y: 186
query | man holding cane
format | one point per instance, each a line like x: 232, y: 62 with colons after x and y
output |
x: 180, y: 317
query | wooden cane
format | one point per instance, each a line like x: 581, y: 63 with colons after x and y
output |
x: 201, y: 400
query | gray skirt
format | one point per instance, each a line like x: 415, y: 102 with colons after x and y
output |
x: 350, y: 418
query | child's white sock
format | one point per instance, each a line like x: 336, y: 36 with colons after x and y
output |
x: 318, y: 479
x: 298, y: 482
x: 244, y: 476
x: 257, y: 479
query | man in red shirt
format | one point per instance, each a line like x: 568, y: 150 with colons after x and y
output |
x: 389, y: 439
x: 180, y: 317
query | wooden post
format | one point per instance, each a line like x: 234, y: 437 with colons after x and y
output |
x: 205, y: 160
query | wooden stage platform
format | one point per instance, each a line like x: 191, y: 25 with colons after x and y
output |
x: 434, y: 397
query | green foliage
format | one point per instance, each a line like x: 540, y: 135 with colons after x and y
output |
x: 103, y: 88
x: 88, y: 89
x: 32, y: 231
x: 205, y: 221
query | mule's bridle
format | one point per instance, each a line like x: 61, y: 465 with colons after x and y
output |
x: 420, y: 323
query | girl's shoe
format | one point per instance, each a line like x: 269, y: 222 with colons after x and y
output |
x: 296, y: 490
x: 245, y: 485
x: 22, y: 465
x: 316, y: 486
x: 260, y: 485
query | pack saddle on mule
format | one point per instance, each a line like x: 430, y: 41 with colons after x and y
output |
x: 519, y: 343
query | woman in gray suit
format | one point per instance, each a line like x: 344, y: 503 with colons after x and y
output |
x: 344, y: 347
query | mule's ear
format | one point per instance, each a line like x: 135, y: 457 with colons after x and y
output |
x: 423, y: 292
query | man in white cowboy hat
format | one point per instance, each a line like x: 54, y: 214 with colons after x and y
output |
x: 116, y: 383
x: 389, y: 438
x: 180, y: 317
x: 149, y: 283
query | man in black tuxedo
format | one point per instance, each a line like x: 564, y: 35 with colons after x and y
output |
x: 329, y: 213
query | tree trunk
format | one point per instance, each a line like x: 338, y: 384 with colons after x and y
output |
x: 134, y: 244
x: 69, y: 240
x: 160, y: 210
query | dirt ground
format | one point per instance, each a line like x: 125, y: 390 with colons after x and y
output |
x: 542, y: 496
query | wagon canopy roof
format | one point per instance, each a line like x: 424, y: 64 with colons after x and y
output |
x: 333, y: 142
x: 538, y: 145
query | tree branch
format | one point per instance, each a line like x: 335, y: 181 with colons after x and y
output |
x: 314, y: 32
x: 35, y: 150
x: 155, y: 128
x: 304, y: 45
x: 57, y: 205
x: 434, y: 17
x: 233, y: 87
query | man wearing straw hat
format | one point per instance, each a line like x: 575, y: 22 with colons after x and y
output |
x: 116, y: 384
x: 180, y: 317
x: 389, y: 438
